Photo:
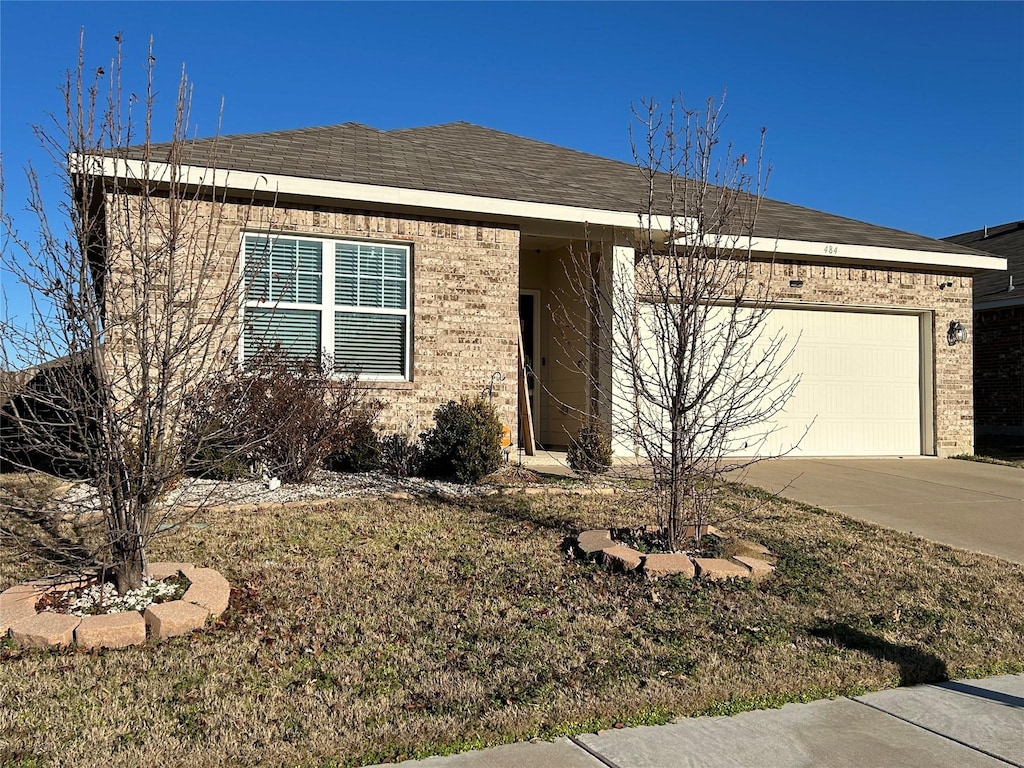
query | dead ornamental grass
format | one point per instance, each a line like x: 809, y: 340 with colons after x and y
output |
x: 371, y: 630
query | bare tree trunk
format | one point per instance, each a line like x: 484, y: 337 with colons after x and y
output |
x: 128, y: 552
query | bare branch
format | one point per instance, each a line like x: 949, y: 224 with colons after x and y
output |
x: 133, y: 308
x: 696, y: 377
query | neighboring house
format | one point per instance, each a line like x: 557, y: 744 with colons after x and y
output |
x: 998, y: 336
x: 31, y: 396
x: 418, y: 255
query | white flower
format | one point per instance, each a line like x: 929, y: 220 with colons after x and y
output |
x: 104, y: 598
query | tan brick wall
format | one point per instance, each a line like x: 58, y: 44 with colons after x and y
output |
x: 466, y: 284
x: 865, y: 286
x: 465, y: 278
x: 165, y: 305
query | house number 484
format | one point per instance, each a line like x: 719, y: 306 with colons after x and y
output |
x: 831, y: 250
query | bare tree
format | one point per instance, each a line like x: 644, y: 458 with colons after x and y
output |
x: 681, y: 364
x: 133, y: 306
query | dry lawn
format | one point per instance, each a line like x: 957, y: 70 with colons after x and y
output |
x: 1007, y: 450
x: 373, y: 630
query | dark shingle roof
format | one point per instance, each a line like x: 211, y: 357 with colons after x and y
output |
x: 469, y: 159
x: 1006, y: 240
x: 357, y: 153
x: 622, y: 183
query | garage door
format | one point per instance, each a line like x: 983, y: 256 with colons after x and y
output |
x: 859, y: 390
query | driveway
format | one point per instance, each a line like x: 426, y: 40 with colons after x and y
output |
x: 961, y: 503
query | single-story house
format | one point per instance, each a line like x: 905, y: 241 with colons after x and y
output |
x: 419, y: 256
x: 998, y: 335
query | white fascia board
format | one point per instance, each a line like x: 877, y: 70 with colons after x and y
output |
x: 823, y: 251
x: 512, y: 209
x: 368, y: 193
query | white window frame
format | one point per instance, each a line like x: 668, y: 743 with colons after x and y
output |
x: 327, y: 308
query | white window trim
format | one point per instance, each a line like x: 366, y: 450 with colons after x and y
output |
x: 327, y: 308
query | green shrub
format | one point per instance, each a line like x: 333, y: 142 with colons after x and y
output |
x: 465, y: 442
x: 591, y: 452
x: 363, y: 453
x: 216, y: 444
x: 219, y: 462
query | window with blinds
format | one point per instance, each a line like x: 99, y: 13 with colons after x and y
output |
x: 309, y: 295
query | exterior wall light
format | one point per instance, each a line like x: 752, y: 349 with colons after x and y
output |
x: 956, y: 333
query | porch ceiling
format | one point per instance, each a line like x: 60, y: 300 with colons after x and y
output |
x: 532, y: 242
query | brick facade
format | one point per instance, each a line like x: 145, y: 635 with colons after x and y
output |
x: 944, y: 297
x: 465, y: 289
x: 999, y: 370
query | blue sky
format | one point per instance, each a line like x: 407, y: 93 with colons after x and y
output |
x: 909, y: 115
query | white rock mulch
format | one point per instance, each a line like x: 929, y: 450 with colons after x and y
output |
x: 323, y: 485
x: 81, y: 499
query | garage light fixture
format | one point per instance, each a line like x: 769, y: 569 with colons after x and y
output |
x: 956, y: 333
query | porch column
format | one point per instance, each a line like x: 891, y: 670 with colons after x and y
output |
x: 622, y: 297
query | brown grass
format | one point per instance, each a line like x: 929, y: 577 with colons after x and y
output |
x: 371, y: 630
x: 999, y: 449
x: 994, y: 457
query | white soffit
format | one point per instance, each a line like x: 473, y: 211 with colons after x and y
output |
x: 516, y: 209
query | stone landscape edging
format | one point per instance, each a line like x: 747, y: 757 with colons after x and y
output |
x: 599, y: 544
x: 207, y: 597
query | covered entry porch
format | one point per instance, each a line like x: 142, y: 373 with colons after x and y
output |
x: 566, y: 378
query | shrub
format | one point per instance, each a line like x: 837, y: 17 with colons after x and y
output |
x: 219, y: 462
x: 217, y: 443
x: 363, y: 453
x: 465, y: 442
x: 286, y: 414
x: 590, y: 452
x: 400, y: 456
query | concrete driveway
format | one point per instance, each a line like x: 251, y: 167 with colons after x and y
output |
x: 961, y: 503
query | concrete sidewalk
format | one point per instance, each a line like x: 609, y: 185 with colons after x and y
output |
x: 960, y: 724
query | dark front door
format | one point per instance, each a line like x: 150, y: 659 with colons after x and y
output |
x: 527, y: 324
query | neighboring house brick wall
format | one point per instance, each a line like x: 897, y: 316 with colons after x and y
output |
x: 903, y: 290
x: 465, y: 297
x: 999, y: 370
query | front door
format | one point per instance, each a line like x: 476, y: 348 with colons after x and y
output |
x: 529, y: 324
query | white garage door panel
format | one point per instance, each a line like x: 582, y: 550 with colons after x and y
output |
x: 859, y: 390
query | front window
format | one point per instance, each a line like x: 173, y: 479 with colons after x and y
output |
x: 313, y: 295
